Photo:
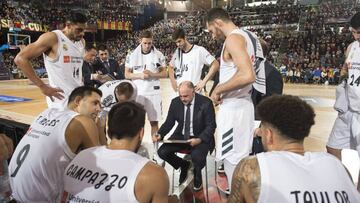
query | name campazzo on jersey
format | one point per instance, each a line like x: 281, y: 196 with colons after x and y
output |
x: 96, y: 178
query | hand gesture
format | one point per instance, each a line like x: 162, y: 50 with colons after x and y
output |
x: 201, y: 84
x: 216, y: 97
x: 52, y: 92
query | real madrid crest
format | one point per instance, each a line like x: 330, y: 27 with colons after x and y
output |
x: 65, y: 47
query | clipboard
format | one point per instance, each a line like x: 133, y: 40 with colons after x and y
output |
x: 106, y: 77
x: 175, y: 141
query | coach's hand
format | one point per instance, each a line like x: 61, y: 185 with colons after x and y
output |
x: 51, y: 92
x: 194, y: 141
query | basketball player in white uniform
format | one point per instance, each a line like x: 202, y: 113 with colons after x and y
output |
x: 52, y: 141
x: 286, y: 172
x: 236, y: 113
x: 121, y: 91
x: 93, y: 177
x: 145, y: 66
x: 63, y: 52
x: 113, y: 93
x: 188, y: 61
x: 346, y: 129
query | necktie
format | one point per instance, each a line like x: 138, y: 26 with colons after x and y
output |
x: 187, y: 122
x: 107, y: 66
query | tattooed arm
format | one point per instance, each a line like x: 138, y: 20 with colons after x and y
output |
x: 246, y: 182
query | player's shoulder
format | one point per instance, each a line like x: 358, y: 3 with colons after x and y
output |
x: 248, y: 169
x: 198, y: 48
x: 155, y: 170
x: 81, y: 121
x: 158, y: 52
x: 49, y: 37
x: 352, y: 44
x: 249, y: 163
x: 234, y: 37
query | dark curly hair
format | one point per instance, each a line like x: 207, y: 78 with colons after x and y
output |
x: 290, y: 115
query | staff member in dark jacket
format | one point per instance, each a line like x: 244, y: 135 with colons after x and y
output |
x: 195, y: 116
x: 107, y: 66
x: 87, y: 68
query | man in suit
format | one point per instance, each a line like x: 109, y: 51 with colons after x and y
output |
x: 106, y: 66
x: 89, y: 76
x: 195, y: 116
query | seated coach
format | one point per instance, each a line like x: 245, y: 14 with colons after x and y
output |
x: 195, y: 116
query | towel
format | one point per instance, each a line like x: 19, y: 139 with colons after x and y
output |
x: 341, y: 103
x: 177, y: 58
x: 136, y: 57
x: 259, y: 65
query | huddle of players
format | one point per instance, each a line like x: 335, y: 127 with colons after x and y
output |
x: 51, y: 155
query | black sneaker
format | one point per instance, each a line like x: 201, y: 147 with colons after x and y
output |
x: 184, y: 172
x: 220, y: 169
x: 198, y: 186
x: 197, y: 180
x: 226, y: 191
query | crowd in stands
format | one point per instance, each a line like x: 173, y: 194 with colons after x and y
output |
x: 311, y: 52
x: 266, y: 14
x: 53, y: 12
x: 162, y: 31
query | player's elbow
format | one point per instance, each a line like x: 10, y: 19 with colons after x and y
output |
x: 18, y: 60
x: 127, y: 74
x: 216, y: 65
x: 250, y: 78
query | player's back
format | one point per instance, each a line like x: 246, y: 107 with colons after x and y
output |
x: 100, y: 174
x: 291, y: 177
x: 38, y: 163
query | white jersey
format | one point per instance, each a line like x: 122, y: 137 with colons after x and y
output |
x: 312, y: 177
x: 228, y: 69
x: 188, y: 65
x: 65, y: 70
x: 138, y: 62
x: 39, y: 160
x: 353, y: 81
x: 108, y: 98
x: 100, y: 174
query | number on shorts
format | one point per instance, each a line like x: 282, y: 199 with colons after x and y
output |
x: 357, y: 81
x: 21, y: 158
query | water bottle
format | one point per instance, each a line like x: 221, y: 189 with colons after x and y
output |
x: 5, y: 190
